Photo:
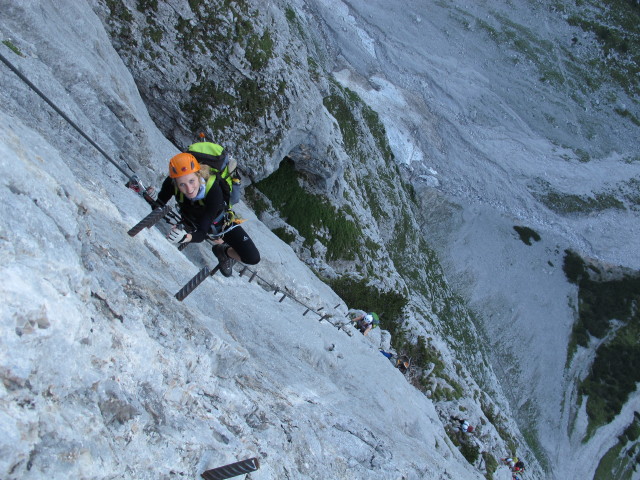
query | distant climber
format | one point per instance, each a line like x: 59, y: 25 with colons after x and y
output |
x: 204, y: 211
x: 518, y: 466
x: 366, y: 322
x: 463, y: 425
x: 510, y: 461
x: 403, y: 363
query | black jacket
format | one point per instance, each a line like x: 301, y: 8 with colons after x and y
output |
x: 201, y: 213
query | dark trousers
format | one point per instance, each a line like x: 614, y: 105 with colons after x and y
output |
x: 239, y: 240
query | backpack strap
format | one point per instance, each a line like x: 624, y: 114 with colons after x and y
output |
x: 210, y: 181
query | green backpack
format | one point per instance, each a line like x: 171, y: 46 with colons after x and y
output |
x: 222, y: 165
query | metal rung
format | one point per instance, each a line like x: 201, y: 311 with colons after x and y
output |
x: 284, y: 295
x: 253, y: 276
x: 232, y: 470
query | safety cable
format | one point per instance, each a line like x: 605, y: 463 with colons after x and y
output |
x: 285, y: 294
x: 62, y: 114
x: 133, y: 182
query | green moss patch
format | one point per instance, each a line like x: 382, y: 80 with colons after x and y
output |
x: 615, y: 25
x: 342, y: 104
x: 12, y: 47
x: 284, y: 234
x: 569, y: 203
x: 312, y: 215
x: 607, y: 308
x: 359, y: 294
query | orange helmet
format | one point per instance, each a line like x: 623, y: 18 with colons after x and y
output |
x: 183, y: 164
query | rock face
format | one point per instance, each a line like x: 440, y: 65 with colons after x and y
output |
x: 235, y: 70
x: 104, y: 373
x: 178, y: 388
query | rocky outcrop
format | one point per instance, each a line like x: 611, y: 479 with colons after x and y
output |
x: 258, y: 80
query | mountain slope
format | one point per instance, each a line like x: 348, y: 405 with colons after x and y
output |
x: 104, y: 373
x: 466, y: 99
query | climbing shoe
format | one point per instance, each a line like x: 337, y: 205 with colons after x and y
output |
x: 225, y: 262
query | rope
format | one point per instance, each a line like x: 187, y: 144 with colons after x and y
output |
x: 62, y: 114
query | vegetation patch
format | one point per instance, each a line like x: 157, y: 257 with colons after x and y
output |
x: 569, y: 203
x: 202, y: 95
x: 121, y: 16
x: 247, y: 99
x: 290, y: 15
x: 470, y: 451
x: 292, y: 18
x: 154, y: 34
x: 607, y: 309
x: 491, y: 465
x: 349, y: 127
x: 252, y: 101
x: 378, y: 131
x: 574, y: 266
x: 499, y: 423
x: 583, y: 156
x: 187, y: 35
x: 390, y: 306
x: 285, y: 235
x: 359, y: 294
x: 526, y: 44
x: 314, y: 70
x: 627, y: 114
x: 630, y: 191
x: 256, y: 200
x: 342, y: 104
x: 612, y: 58
x: 615, y: 25
x: 312, y: 215
x: 259, y: 50
x: 119, y: 10
x: 620, y: 460
x: 527, y: 234
x: 12, y: 47
x: 374, y: 200
x: 144, y: 5
x: 455, y: 321
x: 213, y: 106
